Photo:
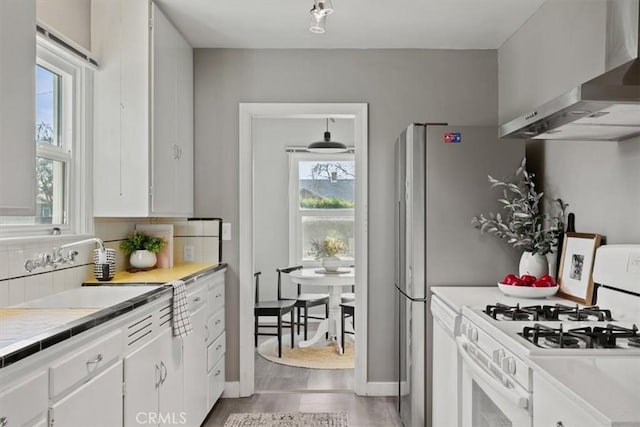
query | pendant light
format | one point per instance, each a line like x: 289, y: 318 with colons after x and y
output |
x: 327, y: 146
x: 319, y: 12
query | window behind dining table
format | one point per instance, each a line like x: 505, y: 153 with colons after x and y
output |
x: 321, y: 204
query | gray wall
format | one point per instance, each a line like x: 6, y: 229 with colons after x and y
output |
x: 71, y: 18
x: 401, y: 86
x: 543, y: 59
x: 271, y: 190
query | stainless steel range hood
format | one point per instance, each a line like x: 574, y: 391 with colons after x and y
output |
x: 606, y: 108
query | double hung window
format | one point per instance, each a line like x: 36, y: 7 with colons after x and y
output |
x: 61, y: 100
x: 321, y: 205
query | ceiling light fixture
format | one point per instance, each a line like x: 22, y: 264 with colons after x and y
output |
x: 319, y: 12
x: 327, y: 146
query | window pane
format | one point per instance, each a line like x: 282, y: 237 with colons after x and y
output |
x: 50, y: 198
x: 47, y: 107
x: 319, y: 228
x: 327, y: 184
x: 50, y: 177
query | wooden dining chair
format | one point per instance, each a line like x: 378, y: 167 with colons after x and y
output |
x: 278, y: 308
x: 304, y: 302
x: 347, y: 309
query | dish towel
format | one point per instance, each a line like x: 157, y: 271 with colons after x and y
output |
x: 181, y: 315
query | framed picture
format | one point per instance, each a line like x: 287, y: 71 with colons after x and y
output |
x: 576, y: 267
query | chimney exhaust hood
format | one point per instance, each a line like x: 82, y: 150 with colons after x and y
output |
x: 606, y: 108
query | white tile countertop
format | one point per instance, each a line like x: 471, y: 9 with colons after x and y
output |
x: 457, y: 297
x: 610, y: 385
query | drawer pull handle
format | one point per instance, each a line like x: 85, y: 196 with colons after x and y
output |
x: 97, y: 359
x: 219, y: 347
x: 217, y: 322
x: 196, y: 299
x: 163, y: 376
x: 218, y: 296
x: 4, y: 421
x: 158, y: 376
x: 218, y: 372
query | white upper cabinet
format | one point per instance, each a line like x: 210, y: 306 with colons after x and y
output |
x: 143, y: 143
x: 17, y: 107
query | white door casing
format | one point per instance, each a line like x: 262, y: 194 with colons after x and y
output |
x: 247, y: 112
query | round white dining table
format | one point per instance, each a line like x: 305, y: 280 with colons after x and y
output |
x: 335, y: 281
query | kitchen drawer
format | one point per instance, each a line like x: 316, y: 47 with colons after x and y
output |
x: 25, y: 401
x: 85, y: 362
x: 216, y: 296
x: 215, y: 351
x: 216, y: 383
x: 197, y: 298
x: 215, y: 325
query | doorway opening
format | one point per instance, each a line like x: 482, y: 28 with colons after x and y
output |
x: 291, y: 201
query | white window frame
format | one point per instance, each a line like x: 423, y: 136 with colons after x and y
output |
x: 296, y: 213
x: 76, y: 135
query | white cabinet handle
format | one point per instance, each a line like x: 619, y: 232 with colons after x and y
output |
x: 218, y: 295
x: 163, y: 373
x: 218, y: 372
x: 218, y: 347
x: 217, y: 322
x: 206, y: 327
x: 4, y: 421
x: 96, y: 359
x: 158, y: 376
x: 196, y: 299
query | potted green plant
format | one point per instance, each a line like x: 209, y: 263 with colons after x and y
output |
x: 142, y: 249
x: 327, y: 250
x: 523, y: 224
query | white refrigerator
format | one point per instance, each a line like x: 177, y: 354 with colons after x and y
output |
x: 441, y: 184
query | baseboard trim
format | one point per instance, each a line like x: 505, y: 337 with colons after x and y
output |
x: 382, y: 389
x: 231, y: 389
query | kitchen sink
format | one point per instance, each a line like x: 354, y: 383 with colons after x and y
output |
x: 89, y: 297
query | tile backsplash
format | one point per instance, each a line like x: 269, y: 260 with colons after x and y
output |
x: 18, y: 285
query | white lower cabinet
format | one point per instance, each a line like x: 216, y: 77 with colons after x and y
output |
x: 216, y: 382
x: 26, y: 402
x: 154, y: 383
x: 195, y: 369
x: 552, y: 408
x: 97, y: 403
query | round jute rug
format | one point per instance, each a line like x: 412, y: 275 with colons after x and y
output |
x: 324, y: 356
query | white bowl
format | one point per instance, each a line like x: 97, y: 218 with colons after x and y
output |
x: 527, y: 291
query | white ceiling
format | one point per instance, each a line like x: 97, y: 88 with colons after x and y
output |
x: 423, y: 24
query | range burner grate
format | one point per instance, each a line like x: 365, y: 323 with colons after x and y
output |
x: 556, y: 312
x: 585, y: 337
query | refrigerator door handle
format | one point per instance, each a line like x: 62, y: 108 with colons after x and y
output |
x: 407, y: 296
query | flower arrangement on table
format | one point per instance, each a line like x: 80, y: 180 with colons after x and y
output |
x: 327, y: 251
x: 523, y: 224
x: 142, y: 249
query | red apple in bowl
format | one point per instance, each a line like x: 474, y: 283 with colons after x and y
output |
x: 509, y: 279
x: 528, y: 279
x: 543, y: 282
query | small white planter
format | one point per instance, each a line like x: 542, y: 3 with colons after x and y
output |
x: 331, y: 263
x: 142, y: 259
x: 533, y: 264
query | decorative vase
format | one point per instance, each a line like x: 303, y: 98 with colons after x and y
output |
x: 142, y: 259
x: 533, y: 264
x: 331, y: 263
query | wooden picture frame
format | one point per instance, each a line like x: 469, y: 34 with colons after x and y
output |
x: 575, y: 276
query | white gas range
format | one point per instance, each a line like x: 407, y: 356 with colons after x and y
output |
x: 501, y: 345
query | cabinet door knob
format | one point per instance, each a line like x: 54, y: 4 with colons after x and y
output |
x: 196, y: 299
x: 559, y: 424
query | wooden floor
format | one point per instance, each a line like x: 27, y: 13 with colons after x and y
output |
x: 271, y: 376
x: 281, y: 388
x: 361, y: 411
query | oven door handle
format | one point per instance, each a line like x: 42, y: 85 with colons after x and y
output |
x: 509, y: 393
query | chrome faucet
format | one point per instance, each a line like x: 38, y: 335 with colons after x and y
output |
x: 58, y: 256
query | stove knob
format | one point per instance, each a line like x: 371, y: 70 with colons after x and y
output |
x: 463, y: 329
x: 474, y: 334
x: 509, y: 365
x: 498, y: 355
